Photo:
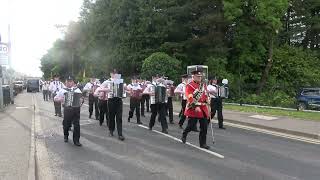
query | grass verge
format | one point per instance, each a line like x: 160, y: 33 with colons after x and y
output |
x: 275, y: 112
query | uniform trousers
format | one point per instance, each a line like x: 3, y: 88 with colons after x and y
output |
x: 71, y: 116
x: 134, y: 106
x: 160, y: 110
x: 115, y: 114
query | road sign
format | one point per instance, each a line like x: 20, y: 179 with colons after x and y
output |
x: 4, y: 54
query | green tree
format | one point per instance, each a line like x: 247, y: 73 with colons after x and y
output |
x: 160, y: 63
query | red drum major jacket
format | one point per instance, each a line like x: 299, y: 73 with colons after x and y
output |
x: 191, y: 112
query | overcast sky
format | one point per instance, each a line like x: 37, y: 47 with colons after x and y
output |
x: 33, y: 28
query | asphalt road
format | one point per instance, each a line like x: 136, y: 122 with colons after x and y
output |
x: 146, y: 155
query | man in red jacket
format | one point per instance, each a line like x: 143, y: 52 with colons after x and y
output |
x: 197, y: 109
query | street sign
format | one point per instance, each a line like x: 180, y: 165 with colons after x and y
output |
x: 4, y: 54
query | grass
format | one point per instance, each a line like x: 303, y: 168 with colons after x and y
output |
x: 276, y: 112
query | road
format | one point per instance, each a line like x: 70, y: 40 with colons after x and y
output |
x: 144, y: 155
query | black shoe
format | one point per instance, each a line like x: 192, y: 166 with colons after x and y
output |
x: 77, y: 144
x: 139, y: 122
x: 165, y: 131
x: 90, y: 116
x: 184, y: 139
x: 55, y: 115
x: 121, y: 138
x: 180, y: 126
x: 100, y: 124
x: 128, y: 119
x: 111, y: 133
x: 150, y: 128
x: 222, y: 128
x: 143, y: 115
x: 171, y: 122
x: 205, y: 146
x: 65, y: 139
x: 60, y: 115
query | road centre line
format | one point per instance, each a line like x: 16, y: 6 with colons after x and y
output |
x: 178, y: 140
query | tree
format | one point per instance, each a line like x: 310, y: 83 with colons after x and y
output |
x: 160, y: 63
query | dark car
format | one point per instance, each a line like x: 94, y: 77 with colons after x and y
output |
x: 33, y: 85
x: 308, y: 98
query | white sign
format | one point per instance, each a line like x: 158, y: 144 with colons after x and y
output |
x: 4, y: 54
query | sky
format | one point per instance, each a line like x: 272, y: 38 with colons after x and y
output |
x: 32, y: 28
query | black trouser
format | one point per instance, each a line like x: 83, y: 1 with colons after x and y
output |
x: 71, y: 116
x: 216, y: 106
x: 203, y: 129
x: 115, y: 114
x: 170, y: 108
x: 134, y: 106
x: 183, y: 107
x: 103, y: 108
x: 93, y: 101
x: 161, y: 110
x: 45, y: 95
x: 57, y: 107
x: 145, y: 99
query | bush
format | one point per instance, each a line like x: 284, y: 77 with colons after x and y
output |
x: 162, y: 64
x: 277, y: 98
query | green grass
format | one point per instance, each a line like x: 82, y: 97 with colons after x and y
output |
x: 276, y: 112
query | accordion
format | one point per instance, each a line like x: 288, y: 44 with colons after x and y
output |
x: 116, y: 90
x: 160, y: 94
x: 136, y: 91
x: 223, y: 91
x: 72, y: 98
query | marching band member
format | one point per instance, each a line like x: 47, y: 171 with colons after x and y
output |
x: 115, y: 106
x: 158, y: 106
x: 135, y: 92
x: 54, y: 88
x: 70, y: 96
x: 196, y: 109
x: 102, y: 94
x: 145, y: 98
x: 170, y: 95
x: 181, y: 89
x: 93, y: 101
x: 216, y: 101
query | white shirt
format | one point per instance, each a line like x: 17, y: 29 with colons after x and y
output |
x: 181, y: 89
x: 212, y: 89
x: 45, y: 87
x: 55, y: 86
x: 90, y: 87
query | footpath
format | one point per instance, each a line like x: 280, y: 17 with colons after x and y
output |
x: 298, y: 127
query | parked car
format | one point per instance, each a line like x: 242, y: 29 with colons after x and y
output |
x: 308, y: 98
x: 33, y: 85
x: 18, y: 86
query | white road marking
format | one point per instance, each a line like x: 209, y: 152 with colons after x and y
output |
x: 293, y: 137
x: 268, y: 118
x: 32, y: 158
x: 176, y: 139
x: 42, y: 157
x: 22, y: 107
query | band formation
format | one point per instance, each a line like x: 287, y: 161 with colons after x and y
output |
x: 201, y: 97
